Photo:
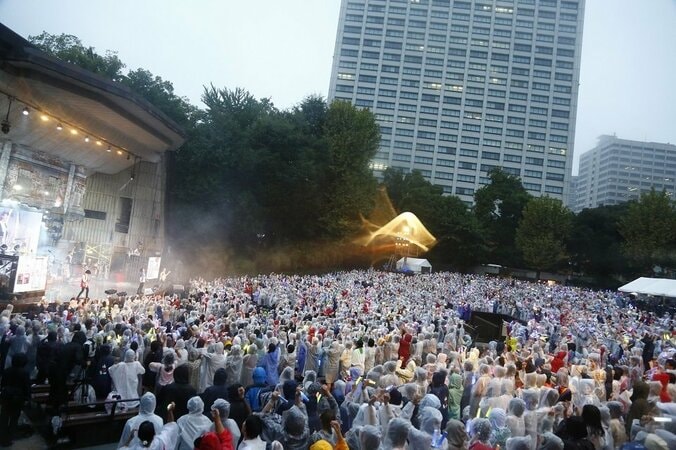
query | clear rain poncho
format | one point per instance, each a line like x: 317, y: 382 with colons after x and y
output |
x: 233, y: 363
x: 369, y: 438
x: 125, y: 377
x: 457, y: 434
x: 514, y: 419
x: 519, y: 443
x: 223, y: 407
x: 550, y: 441
x: 500, y: 432
x: 212, y: 360
x: 193, y: 424
x: 397, y: 434
x: 430, y: 420
x: 146, y: 413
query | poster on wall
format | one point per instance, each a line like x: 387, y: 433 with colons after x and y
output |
x: 31, y: 274
x: 19, y: 230
x: 153, y: 271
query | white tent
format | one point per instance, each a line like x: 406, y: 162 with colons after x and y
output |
x: 651, y: 286
x: 417, y: 265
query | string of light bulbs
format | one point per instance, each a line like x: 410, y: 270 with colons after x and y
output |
x: 62, y: 124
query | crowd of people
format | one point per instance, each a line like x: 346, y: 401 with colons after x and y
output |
x: 354, y: 360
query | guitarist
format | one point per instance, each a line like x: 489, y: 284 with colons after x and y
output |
x: 84, y: 284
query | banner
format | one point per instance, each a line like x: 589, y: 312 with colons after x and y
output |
x: 153, y: 271
x: 31, y: 274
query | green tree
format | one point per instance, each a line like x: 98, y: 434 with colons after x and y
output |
x: 596, y: 245
x: 70, y: 49
x: 352, y: 136
x: 160, y: 93
x: 154, y: 89
x: 542, y: 233
x: 498, y: 208
x: 649, y: 230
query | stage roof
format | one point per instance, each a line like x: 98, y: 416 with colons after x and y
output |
x: 96, y: 107
x: 651, y: 286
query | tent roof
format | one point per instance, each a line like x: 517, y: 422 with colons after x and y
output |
x: 415, y: 262
x: 651, y: 286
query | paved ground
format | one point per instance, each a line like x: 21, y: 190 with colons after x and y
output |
x: 37, y: 442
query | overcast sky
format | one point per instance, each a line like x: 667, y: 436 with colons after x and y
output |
x: 283, y: 49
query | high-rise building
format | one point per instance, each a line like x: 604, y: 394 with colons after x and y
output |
x: 619, y: 170
x: 461, y: 87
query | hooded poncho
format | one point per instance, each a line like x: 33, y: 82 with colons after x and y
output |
x: 146, y: 412
x: 125, y: 377
x: 193, y: 424
x: 211, y: 362
x: 223, y: 408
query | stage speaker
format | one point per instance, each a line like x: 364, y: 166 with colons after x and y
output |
x: 489, y: 326
x: 110, y: 291
x: 148, y: 291
x: 178, y: 288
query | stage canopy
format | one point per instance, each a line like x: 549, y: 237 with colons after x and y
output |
x: 651, y: 286
x: 416, y: 265
x: 97, y: 123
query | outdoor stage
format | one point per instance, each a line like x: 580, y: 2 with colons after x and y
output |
x: 63, y: 291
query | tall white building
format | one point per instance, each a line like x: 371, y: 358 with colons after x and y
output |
x: 461, y: 87
x: 619, y: 170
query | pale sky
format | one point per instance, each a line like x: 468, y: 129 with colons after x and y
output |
x: 283, y: 49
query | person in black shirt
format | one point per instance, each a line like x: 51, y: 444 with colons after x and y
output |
x: 15, y: 390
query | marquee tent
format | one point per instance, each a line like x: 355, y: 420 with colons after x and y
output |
x: 651, y: 286
x: 416, y: 265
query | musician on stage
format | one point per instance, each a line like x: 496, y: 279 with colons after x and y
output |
x: 84, y: 284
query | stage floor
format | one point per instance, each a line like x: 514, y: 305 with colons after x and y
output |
x: 64, y: 290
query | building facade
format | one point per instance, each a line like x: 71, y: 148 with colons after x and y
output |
x: 461, y: 87
x: 619, y: 170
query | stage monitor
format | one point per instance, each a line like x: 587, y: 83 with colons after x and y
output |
x: 153, y: 271
x: 31, y: 274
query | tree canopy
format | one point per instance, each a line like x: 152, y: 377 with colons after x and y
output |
x: 543, y: 233
x: 649, y: 230
x: 498, y: 207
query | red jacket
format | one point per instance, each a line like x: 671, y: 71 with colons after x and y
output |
x: 213, y: 441
x: 405, y: 347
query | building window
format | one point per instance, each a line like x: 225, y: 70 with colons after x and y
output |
x: 124, y: 216
x: 445, y: 162
x: 532, y: 174
x: 464, y: 191
x: 466, y: 178
x: 92, y: 214
x: 490, y: 155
